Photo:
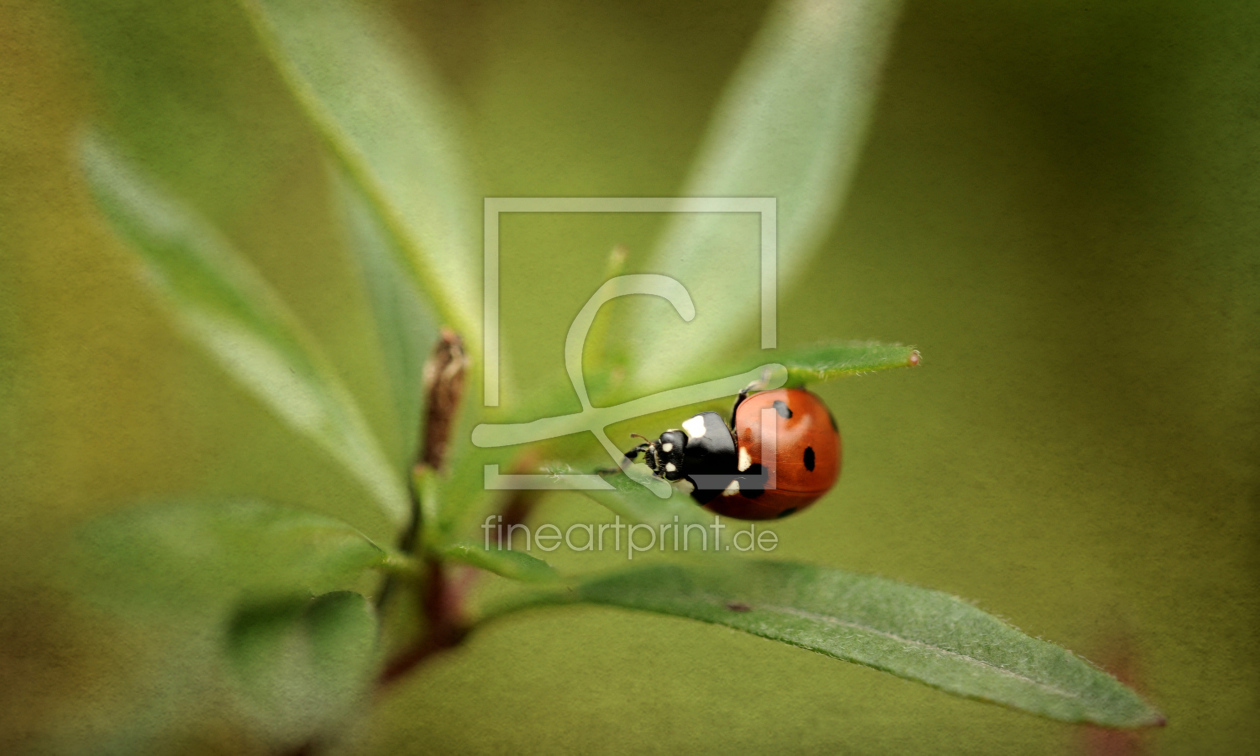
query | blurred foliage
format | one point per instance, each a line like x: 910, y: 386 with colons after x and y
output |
x: 1056, y: 203
x: 226, y: 308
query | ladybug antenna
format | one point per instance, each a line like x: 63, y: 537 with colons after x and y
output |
x: 640, y: 435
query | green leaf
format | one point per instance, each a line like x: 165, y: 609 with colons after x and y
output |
x: 225, y: 306
x: 381, y: 113
x: 405, y: 327
x: 515, y: 565
x: 818, y: 363
x: 635, y: 503
x: 826, y: 362
x: 790, y: 126
x: 302, y: 664
x: 915, y: 633
x: 206, y: 557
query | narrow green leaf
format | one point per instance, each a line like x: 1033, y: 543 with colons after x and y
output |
x: 826, y: 362
x: 226, y: 307
x: 381, y: 113
x: 303, y: 664
x: 818, y: 363
x: 206, y: 557
x: 790, y: 126
x: 915, y: 633
x: 406, y: 328
x: 402, y: 563
x: 515, y: 565
x: 634, y: 502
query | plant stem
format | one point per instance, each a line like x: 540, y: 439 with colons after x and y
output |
x: 442, y: 604
x: 442, y: 597
x: 439, y: 601
x: 444, y: 391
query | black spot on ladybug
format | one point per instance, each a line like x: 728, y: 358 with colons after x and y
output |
x: 785, y: 513
x: 832, y: 418
x: 781, y: 407
x: 809, y: 458
x: 738, y: 606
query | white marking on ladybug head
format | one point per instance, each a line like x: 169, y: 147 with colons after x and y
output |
x: 695, y: 427
x: 667, y: 447
x: 683, y: 485
x: 745, y: 460
x: 669, y: 467
x: 731, y: 489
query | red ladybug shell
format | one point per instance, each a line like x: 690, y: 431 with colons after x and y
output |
x: 807, y: 454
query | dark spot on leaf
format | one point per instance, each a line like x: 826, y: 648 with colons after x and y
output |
x: 738, y: 606
x: 809, y: 458
x: 781, y: 407
x: 785, y: 513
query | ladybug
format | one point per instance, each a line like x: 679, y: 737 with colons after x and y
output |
x: 723, y: 466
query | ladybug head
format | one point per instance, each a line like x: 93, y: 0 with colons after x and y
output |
x: 664, y: 456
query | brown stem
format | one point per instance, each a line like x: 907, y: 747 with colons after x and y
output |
x: 442, y: 603
x: 442, y: 597
x: 443, y: 390
x: 519, y: 505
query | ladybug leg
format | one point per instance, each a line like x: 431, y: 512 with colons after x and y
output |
x: 636, y: 451
x: 629, y: 458
x: 758, y: 385
x: 754, y: 386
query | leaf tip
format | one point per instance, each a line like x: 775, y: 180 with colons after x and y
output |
x: 915, y: 358
x: 1154, y: 718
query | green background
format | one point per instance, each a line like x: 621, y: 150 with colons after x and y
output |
x: 1057, y: 204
